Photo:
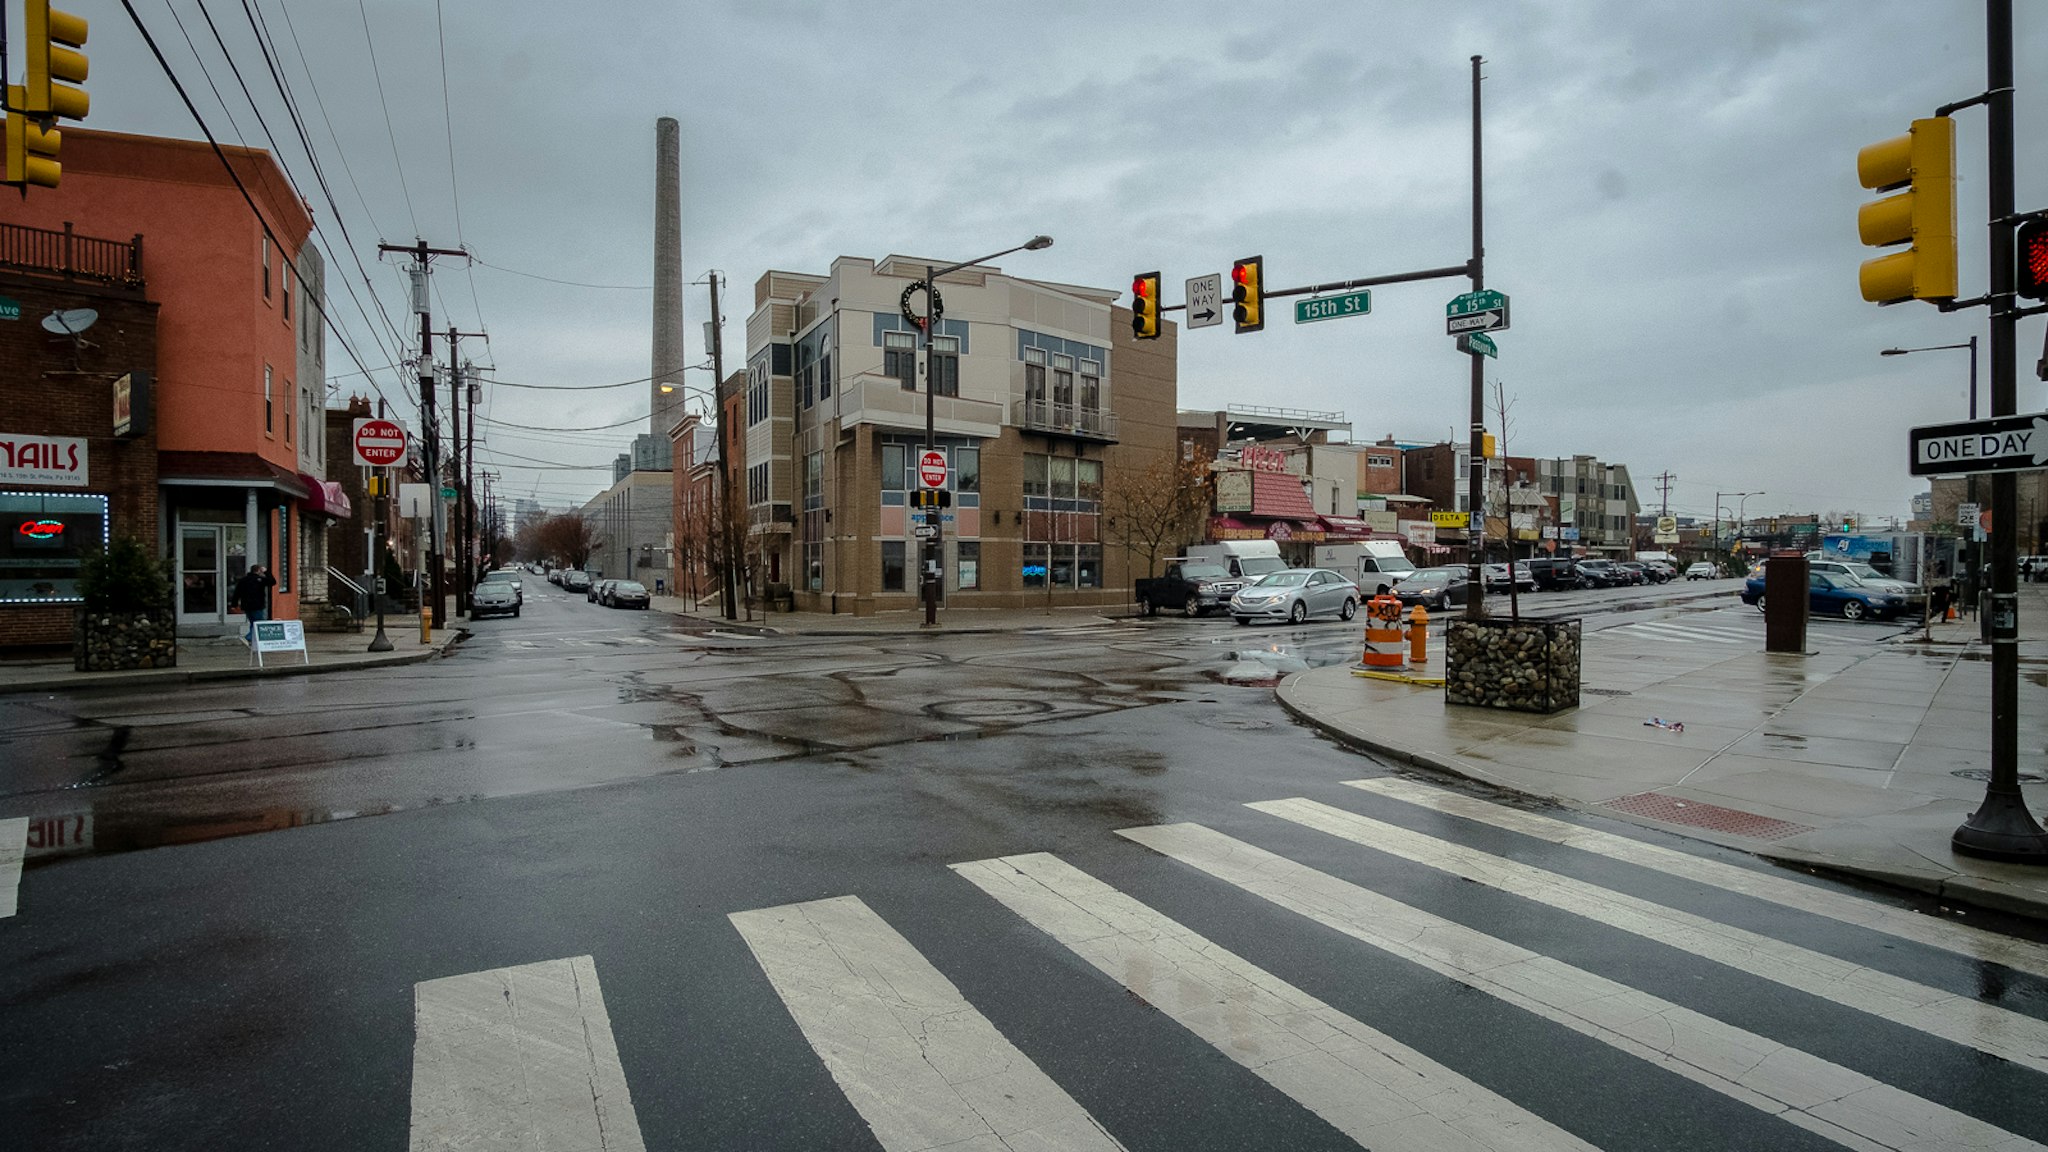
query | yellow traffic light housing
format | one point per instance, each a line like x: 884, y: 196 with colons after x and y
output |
x: 55, y: 64
x: 31, y: 156
x: 1923, y: 163
x: 1145, y: 306
x: 1247, y: 276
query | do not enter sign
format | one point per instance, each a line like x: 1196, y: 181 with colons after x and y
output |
x: 931, y: 469
x: 379, y: 443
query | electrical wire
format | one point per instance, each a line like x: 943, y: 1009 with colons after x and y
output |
x: 554, y: 280
x: 377, y: 74
x: 593, y: 428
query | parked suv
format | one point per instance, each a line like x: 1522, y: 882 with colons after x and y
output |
x: 1555, y: 574
x: 1603, y: 574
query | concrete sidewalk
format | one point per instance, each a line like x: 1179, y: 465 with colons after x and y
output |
x: 1860, y: 759
x: 227, y: 658
x: 954, y: 621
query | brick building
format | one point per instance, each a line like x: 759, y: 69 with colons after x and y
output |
x: 71, y: 478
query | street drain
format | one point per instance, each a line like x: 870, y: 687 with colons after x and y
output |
x: 987, y: 709
x: 1985, y: 775
x: 1237, y: 723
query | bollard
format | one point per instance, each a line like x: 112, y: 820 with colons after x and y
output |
x: 1383, y: 647
x: 426, y: 623
x: 1418, y: 636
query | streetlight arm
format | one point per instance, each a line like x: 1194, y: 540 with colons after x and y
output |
x: 1033, y: 244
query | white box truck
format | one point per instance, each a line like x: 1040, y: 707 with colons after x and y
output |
x: 1250, y: 559
x: 1369, y: 563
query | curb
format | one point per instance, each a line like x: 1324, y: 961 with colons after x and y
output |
x: 724, y: 625
x: 88, y: 681
x: 1959, y: 889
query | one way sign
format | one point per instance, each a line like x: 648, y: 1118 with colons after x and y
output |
x: 2000, y: 444
x: 1205, y: 300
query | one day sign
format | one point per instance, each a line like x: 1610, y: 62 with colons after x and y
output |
x: 2000, y: 444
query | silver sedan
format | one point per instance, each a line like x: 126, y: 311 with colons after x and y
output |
x: 1294, y: 595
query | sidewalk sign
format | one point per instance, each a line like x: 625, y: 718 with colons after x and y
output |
x: 280, y: 636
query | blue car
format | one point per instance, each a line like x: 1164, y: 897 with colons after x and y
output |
x: 1835, y: 595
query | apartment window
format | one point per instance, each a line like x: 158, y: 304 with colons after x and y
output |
x: 311, y: 420
x: 1088, y: 479
x: 899, y: 358
x: 1379, y: 461
x: 266, y: 267
x: 1091, y: 386
x: 1034, y: 565
x: 825, y: 374
x: 1062, y: 477
x: 266, y: 400
x: 288, y: 412
x: 893, y: 464
x: 814, y: 481
x: 967, y: 563
x: 966, y: 469
x: 892, y: 565
x: 1035, y: 469
x: 1063, y: 382
x: 1034, y: 376
x: 287, y: 294
x: 946, y: 365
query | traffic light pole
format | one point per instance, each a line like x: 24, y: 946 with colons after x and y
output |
x: 1475, y: 591
x: 2001, y: 828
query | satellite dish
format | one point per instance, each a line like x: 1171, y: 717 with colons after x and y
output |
x: 70, y: 321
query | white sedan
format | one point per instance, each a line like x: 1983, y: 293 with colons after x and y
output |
x: 1294, y: 595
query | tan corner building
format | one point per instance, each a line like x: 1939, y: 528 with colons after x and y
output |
x: 1042, y: 399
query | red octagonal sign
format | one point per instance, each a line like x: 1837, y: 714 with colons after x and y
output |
x: 379, y: 443
x: 931, y: 469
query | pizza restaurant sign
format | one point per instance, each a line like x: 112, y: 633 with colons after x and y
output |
x: 53, y: 460
x: 1260, y: 458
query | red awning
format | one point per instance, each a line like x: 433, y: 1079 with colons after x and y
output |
x: 325, y: 498
x: 1278, y: 496
x: 1347, y: 528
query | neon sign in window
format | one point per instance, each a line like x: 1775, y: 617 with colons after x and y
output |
x: 46, y: 538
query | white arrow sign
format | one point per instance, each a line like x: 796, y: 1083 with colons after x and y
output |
x: 2000, y: 444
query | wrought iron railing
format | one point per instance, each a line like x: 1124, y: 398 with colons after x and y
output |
x: 1071, y: 419
x: 68, y: 254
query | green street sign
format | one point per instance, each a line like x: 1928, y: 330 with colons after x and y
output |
x: 10, y: 308
x: 1479, y: 342
x: 1331, y: 307
x: 447, y: 493
x: 1476, y: 302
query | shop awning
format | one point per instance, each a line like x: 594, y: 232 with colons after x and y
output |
x: 1346, y: 528
x: 226, y: 470
x: 325, y: 497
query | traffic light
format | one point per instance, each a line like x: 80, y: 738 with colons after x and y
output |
x: 1247, y: 275
x: 55, y: 65
x: 2032, y: 241
x: 1923, y: 163
x: 932, y: 498
x: 1145, y: 306
x: 31, y: 148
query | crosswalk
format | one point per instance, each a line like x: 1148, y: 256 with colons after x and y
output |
x: 524, y: 1057
x: 1672, y: 632
x: 1742, y: 627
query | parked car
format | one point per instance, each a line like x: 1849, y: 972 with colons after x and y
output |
x: 574, y: 580
x: 1193, y: 586
x: 1436, y: 589
x: 507, y: 577
x: 594, y: 594
x: 1599, y: 573
x: 494, y: 598
x: 1295, y: 594
x: 1639, y: 572
x: 1497, y: 578
x: 1835, y: 594
x: 1663, y: 568
x: 1703, y: 571
x: 1869, y: 577
x: 625, y: 594
x: 1555, y: 573
x: 554, y: 575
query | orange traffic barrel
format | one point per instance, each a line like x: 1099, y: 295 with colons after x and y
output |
x: 1385, y: 646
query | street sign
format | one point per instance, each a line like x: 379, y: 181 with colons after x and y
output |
x: 1966, y: 516
x: 2000, y: 444
x: 925, y: 531
x: 1476, y: 312
x: 1205, y: 300
x: 931, y: 469
x: 379, y: 443
x: 1479, y: 343
x: 1451, y: 519
x: 447, y: 493
x: 1331, y: 307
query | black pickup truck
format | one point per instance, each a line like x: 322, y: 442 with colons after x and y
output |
x: 1193, y: 586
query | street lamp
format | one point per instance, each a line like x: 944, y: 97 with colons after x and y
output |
x: 932, y: 547
x: 1970, y: 344
x: 1720, y: 508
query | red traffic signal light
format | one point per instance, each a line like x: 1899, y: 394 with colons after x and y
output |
x: 2032, y: 242
x: 1145, y: 306
x: 1248, y: 295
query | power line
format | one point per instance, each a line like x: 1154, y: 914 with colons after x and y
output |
x: 592, y: 428
x: 554, y: 280
x: 454, y: 188
x: 378, y: 74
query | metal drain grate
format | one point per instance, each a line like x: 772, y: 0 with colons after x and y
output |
x: 1673, y: 810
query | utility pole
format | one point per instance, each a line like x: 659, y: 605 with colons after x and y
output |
x: 380, y: 481
x: 461, y: 392
x: 1664, y: 480
x: 1475, y: 593
x: 422, y: 255
x: 725, y: 533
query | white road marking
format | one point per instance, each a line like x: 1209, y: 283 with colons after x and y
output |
x: 915, y: 1059
x: 519, y: 1059
x: 1962, y: 1020
x: 1825, y: 1098
x: 1975, y: 943
x: 1663, y: 629
x: 1369, y: 1086
x: 13, y: 848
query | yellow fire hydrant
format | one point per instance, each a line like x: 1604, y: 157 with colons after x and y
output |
x: 1418, y: 636
x: 426, y: 623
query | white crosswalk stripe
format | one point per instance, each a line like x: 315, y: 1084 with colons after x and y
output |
x: 1372, y: 1088
x: 519, y: 1060
x: 13, y: 848
x: 1679, y: 633
x: 1838, y: 1103
x: 916, y: 1060
x: 1959, y: 1019
x: 1976, y: 943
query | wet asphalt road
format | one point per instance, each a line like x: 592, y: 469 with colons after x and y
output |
x: 583, y: 782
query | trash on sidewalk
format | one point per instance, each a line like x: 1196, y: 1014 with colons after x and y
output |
x: 1667, y: 725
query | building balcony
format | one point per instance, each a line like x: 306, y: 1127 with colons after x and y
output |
x: 1052, y: 419
x: 871, y: 398
x: 50, y: 252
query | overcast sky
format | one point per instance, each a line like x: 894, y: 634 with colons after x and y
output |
x: 1670, y: 194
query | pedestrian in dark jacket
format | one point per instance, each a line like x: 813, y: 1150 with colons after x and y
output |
x: 252, y: 594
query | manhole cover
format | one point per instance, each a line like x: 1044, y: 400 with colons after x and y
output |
x: 1985, y: 775
x: 1675, y: 810
x: 1237, y: 723
x: 987, y: 709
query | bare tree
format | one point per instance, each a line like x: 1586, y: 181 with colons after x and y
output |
x: 568, y: 537
x: 1157, y: 508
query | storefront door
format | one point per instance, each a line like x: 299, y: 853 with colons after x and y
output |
x: 201, y: 597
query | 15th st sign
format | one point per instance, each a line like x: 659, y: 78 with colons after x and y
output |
x: 2001, y: 444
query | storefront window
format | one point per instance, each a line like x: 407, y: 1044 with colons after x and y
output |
x: 892, y: 565
x: 48, y: 538
x: 892, y: 467
x: 1063, y: 566
x: 1034, y: 474
x: 1034, y: 565
x: 968, y: 563
x: 1090, y: 565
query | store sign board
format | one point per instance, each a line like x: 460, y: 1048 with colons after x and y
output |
x: 58, y: 461
x: 1260, y: 458
x: 1234, y: 491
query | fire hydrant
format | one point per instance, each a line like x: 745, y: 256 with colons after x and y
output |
x: 1418, y: 636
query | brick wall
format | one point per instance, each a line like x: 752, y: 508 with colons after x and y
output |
x: 49, y: 388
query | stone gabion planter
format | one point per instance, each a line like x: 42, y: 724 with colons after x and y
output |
x: 118, y: 641
x: 1520, y: 665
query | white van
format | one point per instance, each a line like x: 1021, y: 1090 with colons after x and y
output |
x: 1368, y: 564
x: 1250, y: 559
